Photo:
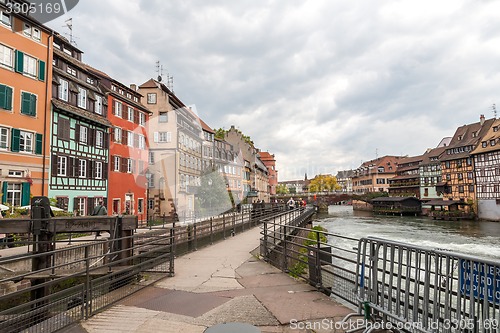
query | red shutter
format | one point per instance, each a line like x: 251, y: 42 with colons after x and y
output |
x: 124, y: 165
x: 113, y: 106
x: 124, y: 137
x: 112, y: 163
x: 125, y: 112
x: 136, y: 116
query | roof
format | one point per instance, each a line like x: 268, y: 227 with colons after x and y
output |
x: 345, y: 174
x: 205, y: 127
x: 441, y: 202
x: 493, y: 134
x: 266, y: 156
x: 394, y: 199
x: 87, y: 115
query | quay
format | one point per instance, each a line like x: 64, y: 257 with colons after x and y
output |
x: 222, y: 283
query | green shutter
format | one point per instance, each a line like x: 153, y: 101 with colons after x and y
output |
x: 15, y: 143
x: 4, y: 192
x: 25, y: 197
x: 3, y: 96
x: 8, y: 98
x: 19, y: 61
x: 33, y: 105
x: 41, y: 70
x: 39, y: 144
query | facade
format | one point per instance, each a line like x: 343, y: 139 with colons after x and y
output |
x: 270, y: 163
x: 25, y: 91
x: 297, y: 186
x: 430, y: 174
x: 457, y: 167
x: 228, y: 165
x: 175, y: 153
x: 208, y: 147
x: 486, y: 158
x: 128, y: 148
x: 344, y: 179
x: 261, y: 180
x: 406, y: 183
x: 374, y: 175
x: 79, y: 133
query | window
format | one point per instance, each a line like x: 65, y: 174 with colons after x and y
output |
x: 98, y: 105
x: 28, y: 104
x: 5, y: 97
x: 6, y: 56
x: 16, y: 173
x: 448, y: 176
x: 99, y: 138
x: 130, y: 165
x: 162, y: 137
x: 470, y: 175
x: 14, y: 192
x: 140, y: 204
x: 492, y: 142
x: 460, y: 189
x: 118, y: 109
x: 27, y: 29
x: 36, y: 34
x: 142, y: 142
x: 151, y: 180
x: 130, y: 114
x: 151, y: 158
x: 63, y: 89
x: 151, y: 98
x: 83, y: 134
x: 117, y: 161
x: 130, y: 139
x: 71, y: 71
x: 484, y: 144
x: 447, y: 164
x: 460, y: 176
x: 98, y: 170
x: 142, y: 119
x: 30, y: 66
x: 26, y: 142
x: 80, y: 204
x: 4, y: 138
x: 163, y: 118
x: 90, y: 80
x: 471, y: 188
x: 83, y: 169
x: 62, y: 165
x: 118, y: 134
x: 459, y: 163
x: 82, y: 98
x: 469, y: 161
x: 5, y: 18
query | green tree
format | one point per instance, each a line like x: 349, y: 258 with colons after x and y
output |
x: 322, y: 183
x: 220, y: 133
x: 282, y: 189
x: 213, y: 196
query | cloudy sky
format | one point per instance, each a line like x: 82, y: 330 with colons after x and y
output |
x: 322, y: 84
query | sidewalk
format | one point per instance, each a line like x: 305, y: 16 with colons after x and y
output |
x: 221, y: 283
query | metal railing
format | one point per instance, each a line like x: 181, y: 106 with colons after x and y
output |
x: 89, y: 274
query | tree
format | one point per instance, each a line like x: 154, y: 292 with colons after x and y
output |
x: 324, y: 183
x: 220, y: 133
x: 213, y: 196
x: 282, y: 189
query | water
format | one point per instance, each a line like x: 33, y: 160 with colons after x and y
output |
x: 480, y: 239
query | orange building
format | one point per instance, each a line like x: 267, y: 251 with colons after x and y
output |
x: 25, y: 95
x: 270, y: 163
x: 128, y: 150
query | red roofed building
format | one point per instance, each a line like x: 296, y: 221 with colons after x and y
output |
x: 270, y: 163
x: 374, y: 175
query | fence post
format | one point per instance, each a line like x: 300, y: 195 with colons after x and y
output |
x: 264, y: 245
x: 234, y: 226
x: 211, y: 231
x: 284, y: 267
x: 318, y: 260
x: 87, y: 296
x: 195, y: 237
x: 224, y: 226
x: 172, y: 251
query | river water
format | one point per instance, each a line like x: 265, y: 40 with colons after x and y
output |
x: 480, y: 239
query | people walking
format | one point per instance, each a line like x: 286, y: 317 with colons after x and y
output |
x: 291, y: 204
x: 99, y: 210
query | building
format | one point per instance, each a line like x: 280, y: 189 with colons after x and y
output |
x: 128, y: 149
x: 344, y: 180
x: 270, y: 163
x: 175, y: 152
x: 261, y: 180
x: 25, y: 92
x: 208, y: 147
x: 79, y: 132
x: 430, y: 174
x: 406, y: 182
x: 457, y: 167
x: 229, y: 166
x: 374, y: 175
x: 297, y: 186
x: 486, y: 157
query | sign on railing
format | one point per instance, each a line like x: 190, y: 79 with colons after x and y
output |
x: 480, y: 279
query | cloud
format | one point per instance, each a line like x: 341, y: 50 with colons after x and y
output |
x: 322, y: 84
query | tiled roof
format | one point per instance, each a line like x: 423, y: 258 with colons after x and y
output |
x: 492, y: 134
x: 205, y: 127
x: 87, y: 115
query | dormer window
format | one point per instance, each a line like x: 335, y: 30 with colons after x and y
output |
x: 460, y: 137
x: 495, y: 129
x: 485, y: 144
x: 474, y: 134
x: 492, y: 142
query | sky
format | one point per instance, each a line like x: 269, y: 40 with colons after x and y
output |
x: 324, y: 85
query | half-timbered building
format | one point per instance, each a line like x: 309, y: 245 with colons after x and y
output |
x: 406, y: 183
x: 457, y: 167
x: 79, y: 133
x: 487, y: 173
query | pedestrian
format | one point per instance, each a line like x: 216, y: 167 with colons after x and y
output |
x: 99, y: 210
x: 291, y: 204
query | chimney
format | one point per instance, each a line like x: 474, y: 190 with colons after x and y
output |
x: 481, y: 119
x: 133, y: 87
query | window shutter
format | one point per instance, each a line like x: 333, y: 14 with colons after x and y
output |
x: 91, y: 136
x: 125, y: 112
x: 75, y: 205
x: 124, y: 165
x: 39, y: 144
x: 4, y: 192
x: 136, y: 116
x: 112, y: 162
x: 77, y: 133
x: 113, y: 110
x: 169, y: 136
x: 15, y: 140
x: 26, y: 103
x: 90, y: 205
x: 25, y: 196
x: 90, y: 169
x: 5, y: 97
x: 105, y: 171
x: 54, y: 166
x: 136, y: 140
x: 32, y: 105
x: 156, y: 137
x: 41, y: 70
x: 124, y: 137
x: 19, y: 61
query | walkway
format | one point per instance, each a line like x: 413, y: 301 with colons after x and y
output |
x: 221, y: 283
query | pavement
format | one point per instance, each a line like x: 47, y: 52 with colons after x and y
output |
x: 217, y: 286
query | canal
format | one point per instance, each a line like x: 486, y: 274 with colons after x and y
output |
x: 471, y: 237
